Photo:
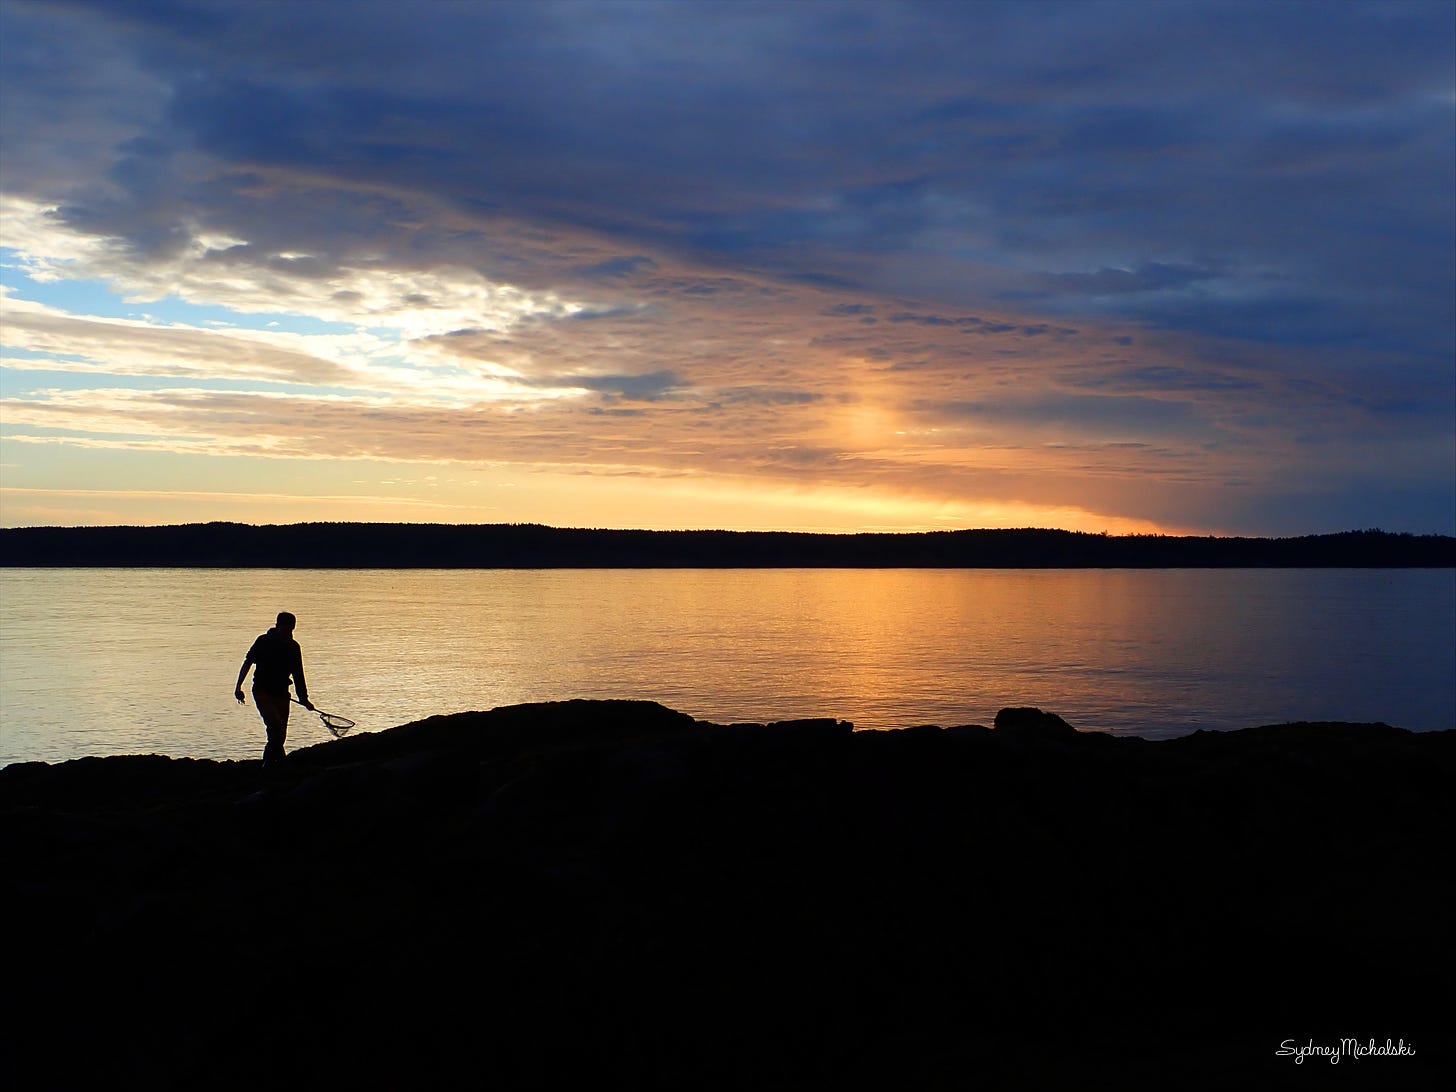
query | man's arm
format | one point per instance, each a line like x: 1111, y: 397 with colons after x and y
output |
x: 242, y: 674
x: 298, y: 680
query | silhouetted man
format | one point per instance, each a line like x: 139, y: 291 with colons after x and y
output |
x: 277, y: 658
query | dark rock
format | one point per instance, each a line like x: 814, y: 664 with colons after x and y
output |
x: 1028, y: 723
x: 585, y: 893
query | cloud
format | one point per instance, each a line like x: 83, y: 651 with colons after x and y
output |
x: 1082, y: 420
x: 619, y: 267
x: 1149, y: 277
x: 67, y: 342
x: 674, y: 236
x: 1158, y: 378
x: 935, y: 320
x: 1055, y: 161
x: 634, y: 388
x: 217, y: 267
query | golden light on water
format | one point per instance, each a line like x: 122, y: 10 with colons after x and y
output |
x: 1144, y: 650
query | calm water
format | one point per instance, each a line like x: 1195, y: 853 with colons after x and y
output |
x: 110, y: 661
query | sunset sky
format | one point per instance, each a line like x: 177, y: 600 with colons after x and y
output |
x: 1134, y: 266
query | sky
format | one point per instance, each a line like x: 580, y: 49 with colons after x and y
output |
x: 1174, y: 267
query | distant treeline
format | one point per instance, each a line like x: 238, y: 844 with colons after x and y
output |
x: 532, y: 546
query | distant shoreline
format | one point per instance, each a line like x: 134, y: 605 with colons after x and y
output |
x: 534, y: 546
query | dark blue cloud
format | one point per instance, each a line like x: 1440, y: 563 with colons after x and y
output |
x: 633, y: 388
x: 1159, y: 377
x: 1055, y: 141
x: 1147, y: 277
x: 620, y: 267
x: 935, y: 320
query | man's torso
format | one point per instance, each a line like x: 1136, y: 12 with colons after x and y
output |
x: 275, y: 658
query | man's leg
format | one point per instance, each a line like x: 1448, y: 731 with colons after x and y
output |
x: 274, y: 710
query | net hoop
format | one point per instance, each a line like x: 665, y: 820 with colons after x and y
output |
x: 336, y: 724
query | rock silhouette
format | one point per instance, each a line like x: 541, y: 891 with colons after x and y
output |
x: 1027, y: 723
x: 613, y: 894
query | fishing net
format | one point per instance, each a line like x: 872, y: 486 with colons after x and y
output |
x: 336, y: 724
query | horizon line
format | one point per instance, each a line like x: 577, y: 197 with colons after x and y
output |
x: 728, y: 531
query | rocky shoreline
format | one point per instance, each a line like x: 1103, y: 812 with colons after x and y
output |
x: 612, y: 893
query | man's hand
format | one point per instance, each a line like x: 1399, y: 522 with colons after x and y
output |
x: 238, y: 693
x: 308, y: 705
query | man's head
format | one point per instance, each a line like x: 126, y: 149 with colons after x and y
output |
x: 286, y: 622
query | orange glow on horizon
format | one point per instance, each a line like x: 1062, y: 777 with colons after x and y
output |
x: 560, y: 501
